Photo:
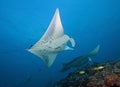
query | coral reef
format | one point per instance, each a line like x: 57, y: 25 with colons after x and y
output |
x: 95, y: 75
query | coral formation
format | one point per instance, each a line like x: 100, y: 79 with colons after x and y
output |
x: 95, y: 75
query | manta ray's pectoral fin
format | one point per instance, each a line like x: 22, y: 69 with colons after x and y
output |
x: 49, y: 59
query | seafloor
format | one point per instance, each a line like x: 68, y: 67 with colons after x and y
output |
x: 95, y: 75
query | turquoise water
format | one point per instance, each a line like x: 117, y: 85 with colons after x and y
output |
x: 23, y: 22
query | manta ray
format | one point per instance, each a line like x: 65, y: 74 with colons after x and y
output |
x: 52, y: 42
x: 80, y: 60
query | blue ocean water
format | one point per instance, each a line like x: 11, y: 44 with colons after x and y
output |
x: 23, y: 22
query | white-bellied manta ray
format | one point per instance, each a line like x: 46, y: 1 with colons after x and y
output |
x: 53, y: 41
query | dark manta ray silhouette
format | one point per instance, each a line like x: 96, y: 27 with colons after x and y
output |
x: 81, y: 60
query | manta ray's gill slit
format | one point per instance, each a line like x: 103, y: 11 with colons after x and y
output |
x: 57, y: 48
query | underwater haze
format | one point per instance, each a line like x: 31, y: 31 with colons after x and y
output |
x: 23, y: 22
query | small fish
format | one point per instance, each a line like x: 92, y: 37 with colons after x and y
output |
x: 99, y: 67
x: 81, y: 72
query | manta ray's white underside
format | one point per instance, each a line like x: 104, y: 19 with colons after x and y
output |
x: 53, y: 41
